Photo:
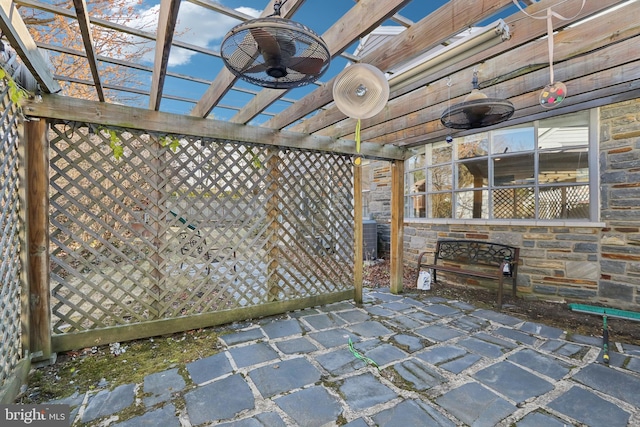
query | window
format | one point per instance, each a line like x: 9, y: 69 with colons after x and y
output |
x: 539, y: 171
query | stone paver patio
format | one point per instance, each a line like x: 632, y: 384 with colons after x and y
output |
x: 439, y: 363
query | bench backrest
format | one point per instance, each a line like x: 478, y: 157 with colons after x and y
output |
x: 475, y: 252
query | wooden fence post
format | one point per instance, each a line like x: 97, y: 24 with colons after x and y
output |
x: 37, y: 207
x: 397, y: 225
x: 357, y: 233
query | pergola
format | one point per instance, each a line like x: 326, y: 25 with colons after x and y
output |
x: 598, y: 61
x: 593, y: 60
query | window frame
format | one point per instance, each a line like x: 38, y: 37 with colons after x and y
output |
x: 488, y: 191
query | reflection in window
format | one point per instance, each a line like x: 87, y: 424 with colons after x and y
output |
x: 513, y: 170
x: 440, y: 205
x: 439, y: 152
x: 472, y: 204
x: 513, y: 140
x: 532, y: 171
x: 418, y: 206
x: 416, y: 162
x: 440, y: 178
x: 415, y: 182
x: 516, y: 203
x: 473, y: 174
x: 564, y: 202
x: 563, y: 166
x: 473, y: 146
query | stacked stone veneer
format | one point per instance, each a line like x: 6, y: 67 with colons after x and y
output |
x: 584, y: 261
x: 555, y: 262
x: 620, y: 202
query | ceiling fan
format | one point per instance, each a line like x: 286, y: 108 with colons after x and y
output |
x: 275, y: 52
x: 477, y: 110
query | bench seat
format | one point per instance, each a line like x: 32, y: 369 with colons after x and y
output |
x: 475, y: 258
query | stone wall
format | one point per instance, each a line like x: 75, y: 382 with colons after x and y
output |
x: 620, y: 202
x: 563, y: 261
x: 555, y: 262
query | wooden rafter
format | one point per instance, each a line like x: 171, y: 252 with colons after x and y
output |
x: 85, y: 30
x: 581, y: 52
x: 14, y: 29
x: 515, y: 69
x: 166, y: 27
x: 103, y: 23
x: 417, y: 97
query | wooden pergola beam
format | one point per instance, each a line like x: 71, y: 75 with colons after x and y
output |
x: 74, y: 109
x: 418, y: 97
x: 585, y: 86
x: 87, y: 39
x: 166, y: 27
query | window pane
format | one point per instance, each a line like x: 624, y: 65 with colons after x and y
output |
x: 517, y: 203
x: 473, y: 146
x: 472, y: 204
x: 415, y: 162
x: 564, y: 166
x: 416, y: 206
x: 440, y: 205
x: 513, y: 140
x: 415, y: 182
x: 439, y: 152
x: 513, y: 170
x: 473, y: 174
x: 564, y: 202
x: 564, y: 131
x: 440, y: 178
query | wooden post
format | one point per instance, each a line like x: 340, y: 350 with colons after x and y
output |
x: 158, y: 288
x: 357, y: 233
x: 37, y: 208
x: 273, y: 214
x: 397, y: 225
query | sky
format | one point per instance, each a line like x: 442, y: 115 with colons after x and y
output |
x: 199, y: 26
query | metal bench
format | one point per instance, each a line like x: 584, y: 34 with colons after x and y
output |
x: 475, y: 258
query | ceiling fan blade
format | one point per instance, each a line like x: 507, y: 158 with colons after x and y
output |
x: 267, y: 43
x: 256, y: 69
x: 305, y: 65
x: 244, y: 55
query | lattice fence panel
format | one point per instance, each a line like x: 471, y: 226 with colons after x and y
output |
x: 564, y: 202
x: 211, y: 226
x: 514, y: 203
x: 11, y: 225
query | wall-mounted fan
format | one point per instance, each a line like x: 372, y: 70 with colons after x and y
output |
x: 360, y: 91
x: 477, y: 110
x: 275, y: 52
